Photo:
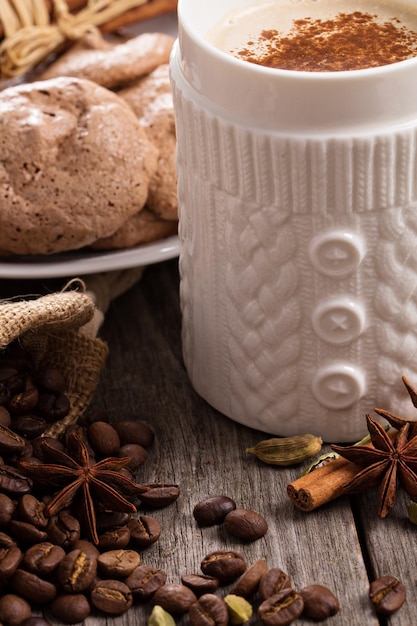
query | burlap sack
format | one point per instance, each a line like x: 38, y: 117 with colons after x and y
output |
x: 58, y: 330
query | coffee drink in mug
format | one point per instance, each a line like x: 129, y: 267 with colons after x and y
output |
x: 318, y: 35
x: 298, y: 223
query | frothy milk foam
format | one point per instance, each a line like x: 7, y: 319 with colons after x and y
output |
x: 243, y: 25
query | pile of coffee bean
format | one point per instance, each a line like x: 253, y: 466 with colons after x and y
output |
x: 30, y: 396
x: 48, y: 562
x: 258, y: 589
x: 266, y: 590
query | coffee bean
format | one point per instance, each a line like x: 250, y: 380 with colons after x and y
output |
x: 63, y: 529
x: 118, y: 563
x: 7, y: 509
x: 226, y: 566
x: 319, y: 602
x: 213, y: 510
x: 200, y: 584
x: 245, y: 524
x: 43, y: 558
x: 112, y: 597
x: 10, y: 442
x: 144, y: 530
x: 26, y: 533
x: 144, y: 581
x: 159, y: 494
x: 5, y: 418
x: 6, y: 541
x: 32, y: 511
x: 51, y: 379
x: 282, y: 608
x: 133, y: 431
x: 387, y: 594
x: 53, y: 407
x: 136, y: 453
x: 23, y: 402
x: 109, y: 520
x: 248, y: 583
x: 174, y: 598
x: 76, y: 571
x: 272, y: 582
x: 29, y: 426
x: 11, y: 381
x: 115, y: 539
x: 70, y: 608
x: 14, y: 482
x: 103, y: 439
x: 32, y: 587
x: 10, y: 559
x: 13, y: 609
x: 209, y: 610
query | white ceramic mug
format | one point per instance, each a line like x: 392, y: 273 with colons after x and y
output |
x: 298, y: 235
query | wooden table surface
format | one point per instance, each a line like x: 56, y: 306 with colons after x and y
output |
x: 343, y: 545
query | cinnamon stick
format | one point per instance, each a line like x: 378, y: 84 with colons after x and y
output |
x: 322, y: 484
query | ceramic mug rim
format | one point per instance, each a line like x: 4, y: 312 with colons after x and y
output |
x: 383, y: 95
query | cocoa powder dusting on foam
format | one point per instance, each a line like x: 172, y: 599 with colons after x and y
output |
x: 350, y: 41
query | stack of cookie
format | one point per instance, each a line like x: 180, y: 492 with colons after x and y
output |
x: 88, y: 150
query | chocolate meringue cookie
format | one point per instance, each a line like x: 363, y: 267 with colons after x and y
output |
x: 75, y: 165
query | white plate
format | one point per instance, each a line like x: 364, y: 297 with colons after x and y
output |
x: 82, y: 262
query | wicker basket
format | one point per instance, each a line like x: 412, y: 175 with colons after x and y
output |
x: 30, y: 32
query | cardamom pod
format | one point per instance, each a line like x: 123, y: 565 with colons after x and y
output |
x: 239, y: 609
x: 160, y: 617
x: 286, y: 450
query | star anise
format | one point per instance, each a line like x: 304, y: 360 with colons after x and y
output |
x: 79, y: 479
x: 388, y: 460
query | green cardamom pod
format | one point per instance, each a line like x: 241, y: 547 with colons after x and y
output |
x: 240, y: 610
x: 286, y: 450
x: 160, y: 617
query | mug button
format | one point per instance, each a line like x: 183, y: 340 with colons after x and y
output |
x: 339, y: 385
x: 337, y: 253
x: 338, y: 320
